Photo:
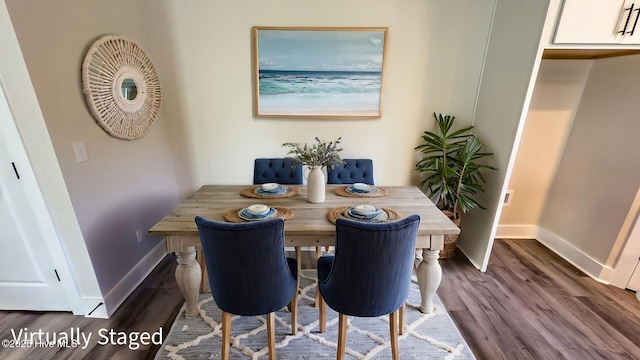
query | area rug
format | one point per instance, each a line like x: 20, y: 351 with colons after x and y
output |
x: 432, y: 336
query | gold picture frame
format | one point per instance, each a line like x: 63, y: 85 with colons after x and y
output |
x: 319, y: 72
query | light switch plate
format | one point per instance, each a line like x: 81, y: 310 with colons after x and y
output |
x: 507, y: 198
x: 81, y: 152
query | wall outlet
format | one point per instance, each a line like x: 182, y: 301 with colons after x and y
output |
x: 507, y: 198
x: 139, y: 235
x: 81, y: 152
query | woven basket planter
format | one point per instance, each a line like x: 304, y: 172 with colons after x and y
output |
x: 450, y: 241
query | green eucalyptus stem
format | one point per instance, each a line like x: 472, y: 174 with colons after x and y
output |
x: 321, y: 154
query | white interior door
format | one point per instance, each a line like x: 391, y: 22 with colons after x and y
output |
x: 28, y: 277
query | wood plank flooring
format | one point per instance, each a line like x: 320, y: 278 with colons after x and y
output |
x: 153, y: 305
x: 530, y: 304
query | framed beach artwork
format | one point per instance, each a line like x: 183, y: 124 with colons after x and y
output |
x: 318, y: 73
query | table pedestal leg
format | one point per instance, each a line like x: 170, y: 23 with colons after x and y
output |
x: 429, y: 274
x: 188, y: 277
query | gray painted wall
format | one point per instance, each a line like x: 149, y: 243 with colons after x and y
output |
x: 125, y: 186
x: 599, y: 173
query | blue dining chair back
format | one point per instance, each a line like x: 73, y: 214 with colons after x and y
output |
x: 353, y: 171
x: 370, y: 273
x: 249, y: 273
x: 277, y: 170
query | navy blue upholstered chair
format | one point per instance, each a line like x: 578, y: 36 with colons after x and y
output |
x: 369, y: 275
x: 354, y: 171
x: 277, y: 170
x: 249, y: 273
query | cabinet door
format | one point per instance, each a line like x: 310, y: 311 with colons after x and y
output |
x: 593, y: 21
x: 632, y: 33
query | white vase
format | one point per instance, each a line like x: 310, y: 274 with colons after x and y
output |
x: 315, y: 185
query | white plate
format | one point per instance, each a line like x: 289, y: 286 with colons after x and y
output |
x: 270, y: 187
x: 243, y: 214
x: 350, y: 189
x: 258, y: 209
x: 381, y: 216
x: 361, y: 187
x: 279, y: 191
x: 365, y: 210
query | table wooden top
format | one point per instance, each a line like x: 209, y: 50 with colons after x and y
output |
x: 212, y: 201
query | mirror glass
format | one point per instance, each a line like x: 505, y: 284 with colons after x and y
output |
x: 129, y: 89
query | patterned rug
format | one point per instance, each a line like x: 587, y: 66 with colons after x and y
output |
x: 432, y: 336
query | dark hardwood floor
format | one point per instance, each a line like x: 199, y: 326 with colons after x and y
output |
x: 530, y: 304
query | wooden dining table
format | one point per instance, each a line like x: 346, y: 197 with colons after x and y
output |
x: 308, y: 226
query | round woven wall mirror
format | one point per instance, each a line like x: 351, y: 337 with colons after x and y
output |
x: 121, y: 87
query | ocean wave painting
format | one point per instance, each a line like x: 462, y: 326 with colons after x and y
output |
x: 319, y: 72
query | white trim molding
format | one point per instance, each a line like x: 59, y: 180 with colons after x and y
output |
x: 574, y: 256
x: 517, y: 232
x: 626, y: 250
x: 119, y: 293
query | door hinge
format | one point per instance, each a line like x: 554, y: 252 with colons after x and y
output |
x: 58, y: 276
x: 15, y: 170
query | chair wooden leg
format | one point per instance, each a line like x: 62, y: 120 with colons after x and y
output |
x: 299, y: 268
x: 271, y: 337
x: 226, y: 334
x: 393, y: 331
x: 318, y: 254
x: 342, y: 336
x: 294, y: 313
x: 322, y: 314
x: 401, y: 320
x: 299, y: 262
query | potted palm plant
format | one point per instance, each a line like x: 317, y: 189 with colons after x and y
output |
x: 451, y: 173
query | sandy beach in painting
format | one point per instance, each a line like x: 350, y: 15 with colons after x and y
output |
x: 323, y: 113
x: 320, y: 104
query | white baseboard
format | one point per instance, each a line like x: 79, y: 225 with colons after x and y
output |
x: 88, y: 307
x: 576, y: 257
x: 516, y: 232
x: 119, y: 293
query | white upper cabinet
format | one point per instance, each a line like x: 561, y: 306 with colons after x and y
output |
x: 598, y: 22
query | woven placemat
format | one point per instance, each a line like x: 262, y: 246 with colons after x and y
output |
x: 342, y: 191
x: 338, y: 212
x: 281, y: 212
x: 250, y: 192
